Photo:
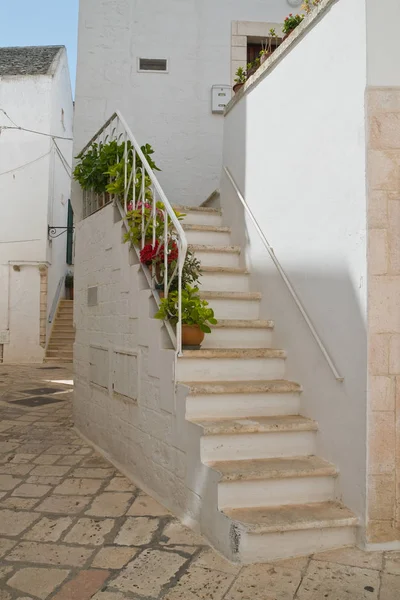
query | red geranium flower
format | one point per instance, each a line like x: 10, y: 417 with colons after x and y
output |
x: 150, y: 253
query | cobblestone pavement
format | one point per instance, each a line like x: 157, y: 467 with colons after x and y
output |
x: 73, y: 528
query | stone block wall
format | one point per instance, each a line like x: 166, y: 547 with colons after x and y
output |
x: 383, y: 182
x: 125, y: 399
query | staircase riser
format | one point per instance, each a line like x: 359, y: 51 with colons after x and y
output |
x: 203, y: 218
x: 54, y: 359
x: 223, y: 282
x: 248, y: 446
x: 218, y: 259
x: 226, y: 369
x: 60, y: 353
x: 61, y: 346
x: 208, y: 238
x: 273, y: 546
x: 223, y: 337
x: 275, y: 492
x: 235, y: 309
x: 242, y: 405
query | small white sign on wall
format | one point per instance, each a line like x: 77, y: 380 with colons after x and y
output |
x: 5, y: 337
x: 220, y: 97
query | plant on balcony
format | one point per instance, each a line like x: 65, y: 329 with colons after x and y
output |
x: 116, y: 173
x: 197, y: 316
x: 270, y: 46
x: 252, y: 67
x: 101, y: 168
x: 290, y: 24
x: 309, y: 5
x: 240, y: 79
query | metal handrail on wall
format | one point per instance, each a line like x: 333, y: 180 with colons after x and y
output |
x: 56, y: 299
x: 143, y: 200
x: 284, y: 277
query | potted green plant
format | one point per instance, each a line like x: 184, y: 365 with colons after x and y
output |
x: 309, y: 5
x: 197, y: 316
x: 240, y: 79
x: 290, y: 24
x: 69, y: 285
x: 252, y: 67
x: 144, y: 212
x: 271, y: 44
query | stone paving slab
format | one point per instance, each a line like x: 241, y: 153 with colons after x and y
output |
x: 73, y: 528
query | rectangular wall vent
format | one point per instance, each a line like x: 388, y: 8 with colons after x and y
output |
x: 159, y: 65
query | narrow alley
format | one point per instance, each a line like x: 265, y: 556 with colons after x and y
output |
x: 74, y: 528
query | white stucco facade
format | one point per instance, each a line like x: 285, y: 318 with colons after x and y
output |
x: 303, y: 175
x: 34, y: 193
x: 172, y: 110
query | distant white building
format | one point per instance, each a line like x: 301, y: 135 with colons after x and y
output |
x: 36, y: 112
x: 158, y: 62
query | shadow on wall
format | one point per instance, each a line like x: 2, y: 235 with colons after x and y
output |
x: 328, y: 293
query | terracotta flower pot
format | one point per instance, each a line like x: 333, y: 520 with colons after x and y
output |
x: 237, y: 87
x: 251, y: 72
x: 287, y: 34
x: 264, y: 57
x: 192, y: 336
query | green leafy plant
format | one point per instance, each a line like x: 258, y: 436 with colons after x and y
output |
x: 271, y: 43
x: 191, y: 272
x: 309, y: 5
x: 144, y: 212
x: 241, y: 75
x: 91, y: 171
x: 195, y: 311
x: 101, y: 168
x: 291, y: 22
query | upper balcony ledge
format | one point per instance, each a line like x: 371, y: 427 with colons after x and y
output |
x: 309, y: 22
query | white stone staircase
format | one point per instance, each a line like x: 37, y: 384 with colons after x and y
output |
x: 60, y: 346
x: 272, y: 494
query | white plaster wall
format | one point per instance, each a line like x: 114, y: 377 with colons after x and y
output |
x: 171, y: 111
x: 28, y: 200
x: 125, y: 400
x: 383, y: 42
x: 59, y: 176
x: 296, y: 146
x: 23, y: 202
x: 124, y: 389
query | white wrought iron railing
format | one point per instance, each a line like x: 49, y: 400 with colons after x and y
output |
x: 149, y: 218
x: 284, y: 277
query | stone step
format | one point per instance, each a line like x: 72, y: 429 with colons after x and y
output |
x: 198, y: 216
x: 61, y: 352
x: 219, y: 256
x: 233, y: 399
x: 273, y: 533
x: 67, y: 334
x: 231, y: 333
x: 222, y: 364
x: 274, y: 482
x: 207, y: 234
x: 233, y: 305
x: 257, y: 437
x: 225, y: 279
x: 57, y: 359
x: 198, y: 209
x: 62, y: 345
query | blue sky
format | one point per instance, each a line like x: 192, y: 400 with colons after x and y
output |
x: 41, y: 23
